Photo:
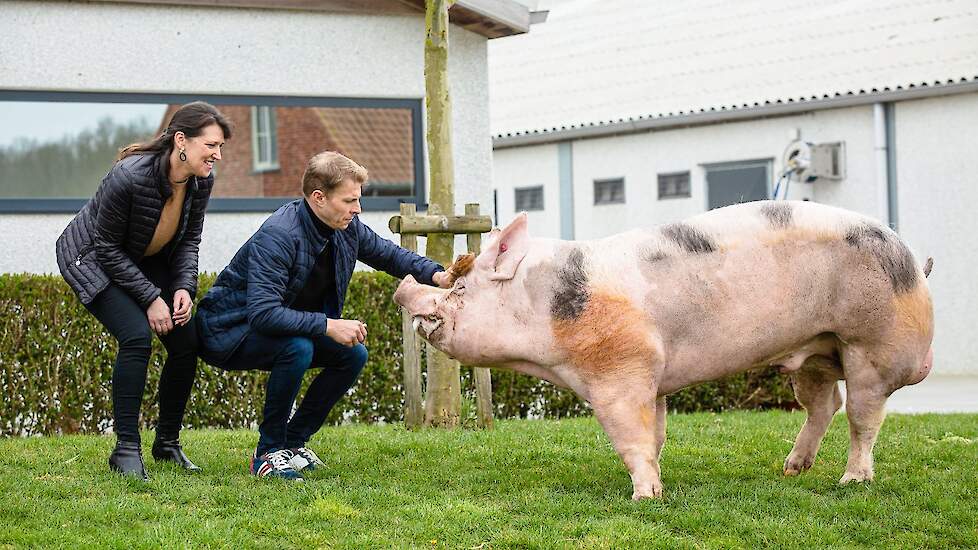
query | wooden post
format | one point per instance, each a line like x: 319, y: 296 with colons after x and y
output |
x: 483, y: 380
x: 443, y: 398
x: 413, y: 407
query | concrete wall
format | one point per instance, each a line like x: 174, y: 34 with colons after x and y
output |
x: 177, y: 49
x: 938, y: 194
x: 936, y: 180
x: 639, y: 158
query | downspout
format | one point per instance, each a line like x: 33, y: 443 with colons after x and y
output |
x: 565, y: 171
x: 881, y: 155
x: 891, y: 168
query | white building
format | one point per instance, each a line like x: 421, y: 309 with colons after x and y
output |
x: 635, y: 113
x: 352, y: 68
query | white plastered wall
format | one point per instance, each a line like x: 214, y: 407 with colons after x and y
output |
x: 81, y: 46
x: 528, y: 167
x: 937, y: 193
x: 639, y: 158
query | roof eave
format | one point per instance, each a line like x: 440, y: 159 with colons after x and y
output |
x: 727, y: 114
x: 489, y: 18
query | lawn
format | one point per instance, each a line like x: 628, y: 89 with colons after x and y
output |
x: 524, y: 484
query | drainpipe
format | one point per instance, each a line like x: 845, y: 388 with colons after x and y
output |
x: 884, y: 141
x: 891, y: 169
x: 565, y: 170
x: 882, y: 163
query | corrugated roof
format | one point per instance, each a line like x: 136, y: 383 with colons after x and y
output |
x: 596, y: 62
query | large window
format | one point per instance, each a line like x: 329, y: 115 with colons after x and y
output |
x: 55, y: 148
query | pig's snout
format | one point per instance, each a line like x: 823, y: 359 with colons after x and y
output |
x: 415, y: 297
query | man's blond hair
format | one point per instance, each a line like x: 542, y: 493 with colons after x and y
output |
x: 327, y: 170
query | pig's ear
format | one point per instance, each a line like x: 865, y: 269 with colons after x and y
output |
x: 506, y: 249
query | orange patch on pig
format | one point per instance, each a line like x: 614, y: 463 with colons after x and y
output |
x: 610, y: 333
x: 914, y: 311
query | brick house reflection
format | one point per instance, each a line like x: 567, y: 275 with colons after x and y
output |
x: 271, y: 145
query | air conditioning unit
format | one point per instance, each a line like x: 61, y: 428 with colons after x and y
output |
x: 806, y: 162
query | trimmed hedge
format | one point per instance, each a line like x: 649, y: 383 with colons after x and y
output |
x: 56, y: 371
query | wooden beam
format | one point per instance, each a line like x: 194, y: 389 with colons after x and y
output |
x: 433, y: 224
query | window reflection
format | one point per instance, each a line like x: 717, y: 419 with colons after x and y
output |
x: 63, y: 149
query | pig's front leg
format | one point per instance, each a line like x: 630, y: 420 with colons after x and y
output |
x: 628, y: 415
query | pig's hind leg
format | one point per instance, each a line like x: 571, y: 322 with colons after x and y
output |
x: 628, y: 412
x: 817, y: 390
x: 866, y: 393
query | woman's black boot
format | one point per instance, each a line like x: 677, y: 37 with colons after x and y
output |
x: 128, y: 460
x: 169, y: 450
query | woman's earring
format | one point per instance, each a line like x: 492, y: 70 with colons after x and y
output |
x: 183, y: 156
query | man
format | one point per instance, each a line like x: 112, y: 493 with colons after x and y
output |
x: 277, y: 307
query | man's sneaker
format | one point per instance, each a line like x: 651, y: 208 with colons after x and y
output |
x: 275, y: 464
x: 303, y: 458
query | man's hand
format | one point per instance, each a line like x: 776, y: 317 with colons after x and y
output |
x: 346, y: 332
x: 158, y: 316
x: 443, y: 279
x: 182, y: 303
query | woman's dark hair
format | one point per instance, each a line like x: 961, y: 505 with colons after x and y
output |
x: 191, y: 119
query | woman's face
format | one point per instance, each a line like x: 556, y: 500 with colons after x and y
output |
x: 203, y: 150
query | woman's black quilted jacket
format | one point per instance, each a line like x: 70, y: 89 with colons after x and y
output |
x: 109, y: 236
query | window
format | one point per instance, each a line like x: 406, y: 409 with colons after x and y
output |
x: 609, y: 191
x: 264, y: 145
x: 674, y: 186
x: 55, y: 147
x: 529, y: 198
x: 733, y: 183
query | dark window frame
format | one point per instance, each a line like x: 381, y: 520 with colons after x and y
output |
x: 516, y: 191
x: 606, y: 181
x: 230, y: 204
x: 689, y: 185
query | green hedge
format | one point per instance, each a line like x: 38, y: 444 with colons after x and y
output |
x: 56, y: 371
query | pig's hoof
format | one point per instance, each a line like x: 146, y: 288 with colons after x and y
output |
x: 795, y: 465
x: 654, y: 492
x: 850, y: 477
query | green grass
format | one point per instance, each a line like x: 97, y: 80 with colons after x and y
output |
x: 525, y: 484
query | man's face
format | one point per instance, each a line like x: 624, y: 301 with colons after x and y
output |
x: 338, y: 208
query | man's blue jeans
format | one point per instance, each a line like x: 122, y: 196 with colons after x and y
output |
x: 288, y: 358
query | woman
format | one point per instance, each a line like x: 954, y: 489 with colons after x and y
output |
x: 131, y: 257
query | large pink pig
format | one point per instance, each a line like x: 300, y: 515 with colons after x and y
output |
x: 823, y: 293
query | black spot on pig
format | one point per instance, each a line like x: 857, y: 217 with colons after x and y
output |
x: 778, y: 214
x: 653, y: 256
x: 689, y: 238
x: 570, y: 290
x: 893, y: 256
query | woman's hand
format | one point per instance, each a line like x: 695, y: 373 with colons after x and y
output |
x: 182, y: 303
x: 158, y: 315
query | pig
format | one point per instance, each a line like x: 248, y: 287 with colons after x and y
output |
x: 821, y: 293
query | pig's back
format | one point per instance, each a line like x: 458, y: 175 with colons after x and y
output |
x: 738, y: 284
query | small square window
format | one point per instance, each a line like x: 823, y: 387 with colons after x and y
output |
x: 609, y: 191
x: 529, y: 198
x: 674, y: 186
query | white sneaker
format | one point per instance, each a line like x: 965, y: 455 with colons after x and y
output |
x: 303, y: 458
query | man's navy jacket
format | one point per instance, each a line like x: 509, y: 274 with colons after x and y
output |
x: 254, y: 292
